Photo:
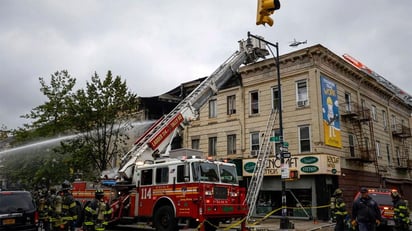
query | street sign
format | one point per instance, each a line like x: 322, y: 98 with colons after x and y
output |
x: 284, y: 149
x: 286, y: 154
x: 274, y: 139
x: 285, y: 144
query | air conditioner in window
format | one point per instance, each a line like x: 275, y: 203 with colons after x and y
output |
x: 254, y: 152
x: 302, y: 103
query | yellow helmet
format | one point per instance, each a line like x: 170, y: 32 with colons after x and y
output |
x: 99, y: 193
x: 338, y: 191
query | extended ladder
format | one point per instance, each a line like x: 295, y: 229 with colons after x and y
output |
x: 258, y: 173
x: 159, y: 136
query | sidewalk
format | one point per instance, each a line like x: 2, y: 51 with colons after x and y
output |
x: 272, y: 224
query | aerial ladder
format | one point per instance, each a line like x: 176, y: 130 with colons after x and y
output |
x: 156, y: 141
x: 258, y: 173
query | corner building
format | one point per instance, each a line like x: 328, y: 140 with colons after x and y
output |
x: 343, y: 129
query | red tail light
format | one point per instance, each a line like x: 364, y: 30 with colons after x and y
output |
x: 36, y: 217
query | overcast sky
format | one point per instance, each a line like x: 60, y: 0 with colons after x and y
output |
x: 157, y: 45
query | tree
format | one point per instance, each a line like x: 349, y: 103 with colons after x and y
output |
x: 101, y: 113
x: 50, y: 118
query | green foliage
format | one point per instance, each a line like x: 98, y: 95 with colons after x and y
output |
x: 99, y: 114
x: 102, y: 112
x: 52, y: 117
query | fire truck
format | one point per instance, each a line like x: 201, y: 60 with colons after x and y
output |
x: 181, y: 189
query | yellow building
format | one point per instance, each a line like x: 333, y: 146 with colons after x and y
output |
x: 344, y: 128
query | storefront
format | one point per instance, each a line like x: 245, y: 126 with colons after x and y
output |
x: 308, y: 196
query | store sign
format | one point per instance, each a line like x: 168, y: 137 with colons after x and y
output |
x: 309, y: 160
x: 306, y: 164
x: 309, y: 169
x: 250, y: 167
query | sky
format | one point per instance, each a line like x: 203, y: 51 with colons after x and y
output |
x: 157, y: 45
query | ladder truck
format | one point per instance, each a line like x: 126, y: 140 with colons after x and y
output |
x: 181, y: 189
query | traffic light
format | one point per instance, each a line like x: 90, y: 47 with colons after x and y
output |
x: 266, y: 8
x: 293, y: 174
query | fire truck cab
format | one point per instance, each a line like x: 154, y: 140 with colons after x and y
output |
x: 183, y: 191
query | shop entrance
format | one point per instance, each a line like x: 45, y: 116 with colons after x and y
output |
x: 298, y: 201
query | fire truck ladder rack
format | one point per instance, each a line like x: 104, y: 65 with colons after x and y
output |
x: 249, y: 51
x: 258, y: 173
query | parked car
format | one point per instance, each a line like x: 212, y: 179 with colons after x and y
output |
x: 384, y: 200
x: 17, y: 211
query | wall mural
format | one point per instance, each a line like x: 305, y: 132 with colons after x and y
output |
x: 330, y: 111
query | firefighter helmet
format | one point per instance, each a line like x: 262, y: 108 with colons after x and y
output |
x: 66, y: 185
x: 395, y: 194
x: 338, y: 191
x: 99, y: 193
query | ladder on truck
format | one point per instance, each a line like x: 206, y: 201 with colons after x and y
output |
x: 258, y: 173
x: 193, y: 101
x: 158, y: 136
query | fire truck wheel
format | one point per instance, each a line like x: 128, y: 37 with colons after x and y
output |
x: 164, y: 219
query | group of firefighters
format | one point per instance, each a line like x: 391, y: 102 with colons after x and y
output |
x: 59, y: 211
x: 366, y: 215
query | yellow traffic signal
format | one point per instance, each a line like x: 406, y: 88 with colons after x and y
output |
x: 266, y: 8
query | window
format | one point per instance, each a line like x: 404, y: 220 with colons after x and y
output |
x: 304, y: 138
x: 212, y: 108
x: 231, y: 104
x: 385, y: 120
x: 231, y: 144
x: 147, y: 177
x: 378, y: 148
x: 301, y: 92
x: 367, y: 143
x: 347, y: 102
x: 388, y: 152
x: 363, y: 108
x: 181, y: 174
x: 196, y: 144
x: 212, y: 146
x: 162, y: 175
x: 374, y: 117
x: 254, y: 143
x: 398, y: 155
x: 393, y: 122
x: 352, y: 145
x: 254, y: 102
x: 275, y: 98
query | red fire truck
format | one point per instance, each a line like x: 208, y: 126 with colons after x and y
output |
x: 176, y: 189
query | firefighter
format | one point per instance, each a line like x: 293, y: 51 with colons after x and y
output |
x: 65, y: 211
x: 97, y: 213
x: 339, y: 211
x: 43, y: 208
x: 401, y: 212
x: 56, y: 202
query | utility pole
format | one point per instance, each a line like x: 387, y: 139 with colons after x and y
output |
x: 284, y: 222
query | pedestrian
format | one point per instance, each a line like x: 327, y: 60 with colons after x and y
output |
x: 365, y: 212
x: 97, y: 213
x: 401, y: 212
x: 339, y: 211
